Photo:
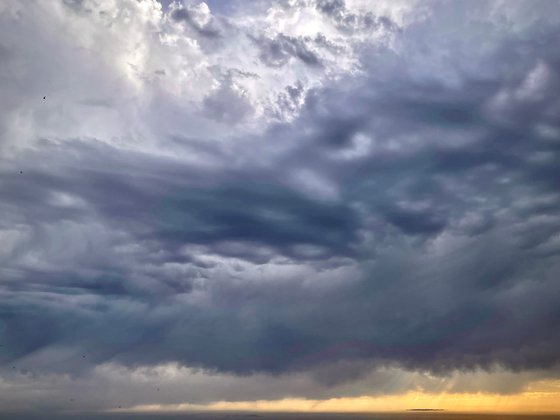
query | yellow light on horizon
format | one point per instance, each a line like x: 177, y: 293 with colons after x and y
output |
x: 545, y: 400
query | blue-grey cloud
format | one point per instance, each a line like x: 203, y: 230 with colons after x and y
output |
x: 348, y: 21
x: 206, y: 30
x: 278, y: 51
x: 402, y: 218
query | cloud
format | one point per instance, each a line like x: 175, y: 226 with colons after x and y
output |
x: 348, y: 21
x: 277, y: 52
x: 402, y: 216
x: 199, y: 19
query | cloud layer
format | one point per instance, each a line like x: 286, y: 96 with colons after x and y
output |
x: 314, y: 187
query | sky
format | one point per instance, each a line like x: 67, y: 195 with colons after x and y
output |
x: 315, y: 205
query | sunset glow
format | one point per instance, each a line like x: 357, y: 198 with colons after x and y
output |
x: 542, y: 398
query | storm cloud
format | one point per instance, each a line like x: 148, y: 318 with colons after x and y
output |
x: 398, y: 211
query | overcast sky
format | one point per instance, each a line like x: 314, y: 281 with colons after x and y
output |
x: 259, y: 200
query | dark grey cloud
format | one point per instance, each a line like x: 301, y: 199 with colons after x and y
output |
x: 207, y: 30
x: 331, y: 7
x: 290, y: 100
x: 348, y: 21
x: 76, y: 5
x: 435, y: 292
x: 277, y: 51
